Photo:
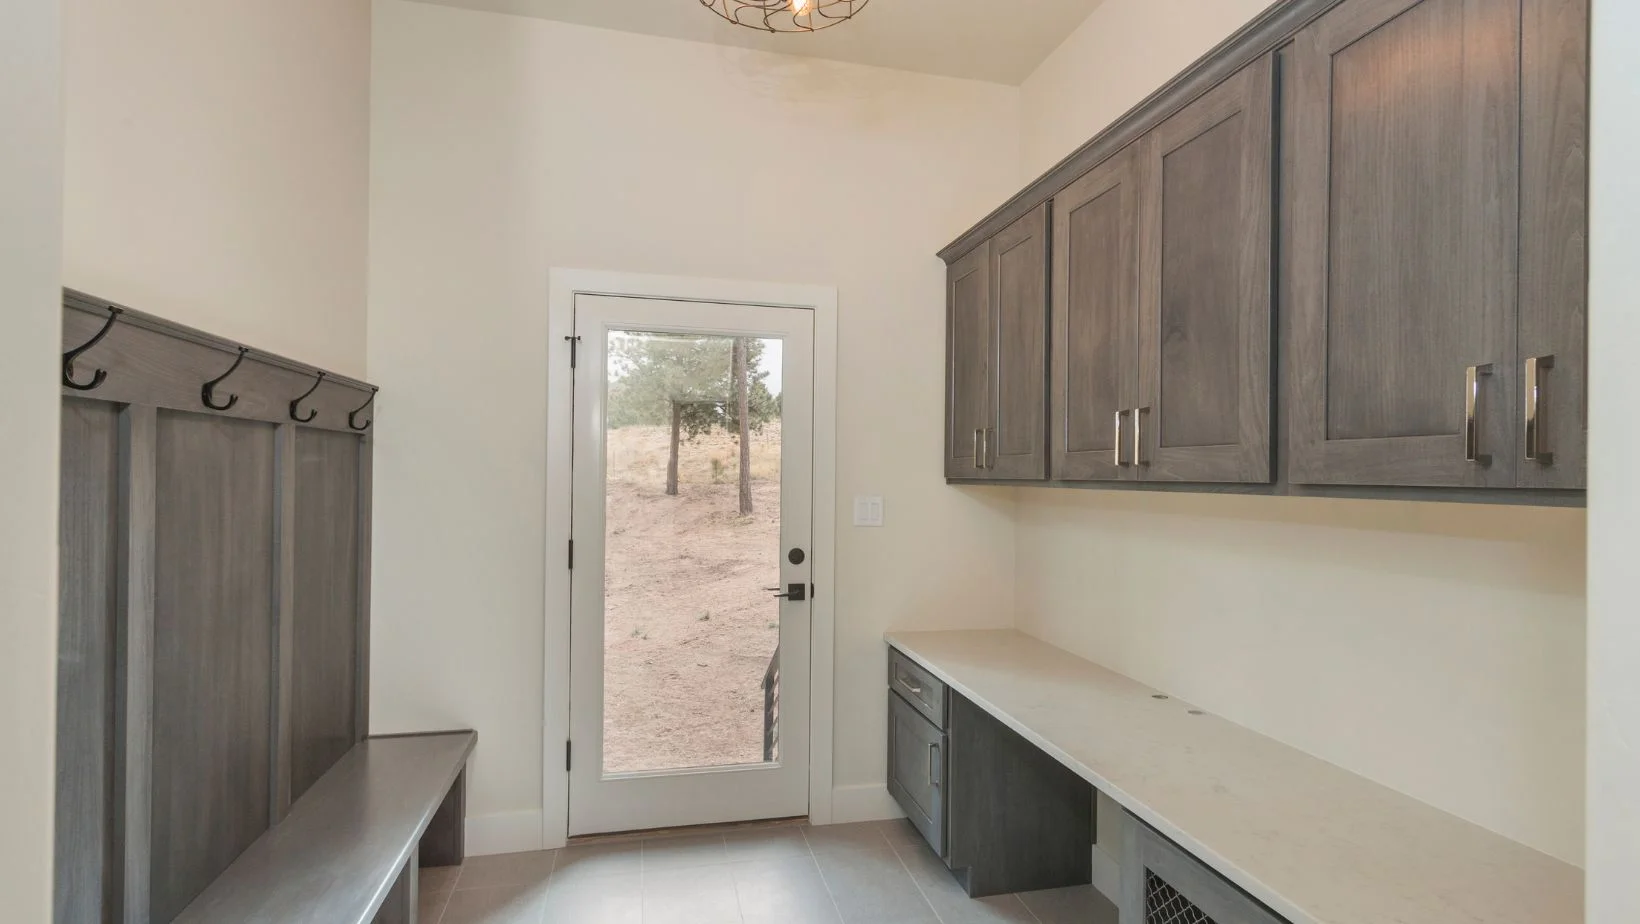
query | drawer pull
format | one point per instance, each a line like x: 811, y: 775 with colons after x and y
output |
x: 933, y: 765
x: 1118, y: 451
x: 1139, y: 414
x: 911, y: 684
x: 1534, y: 423
x: 1471, y: 414
x: 977, y: 463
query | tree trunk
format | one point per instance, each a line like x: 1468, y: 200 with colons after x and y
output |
x: 672, y: 458
x: 743, y: 407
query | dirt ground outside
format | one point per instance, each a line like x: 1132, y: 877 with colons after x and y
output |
x: 688, y: 625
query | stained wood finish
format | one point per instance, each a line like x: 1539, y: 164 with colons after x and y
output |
x: 1206, y: 327
x: 88, y: 521
x: 1146, y: 853
x: 917, y: 762
x: 1019, y: 820
x: 970, y: 301
x: 361, y: 684
x: 1096, y: 318
x: 213, y: 650
x: 1554, y: 219
x: 326, y: 614
x: 134, y: 670
x: 1404, y: 252
x: 1017, y: 442
x: 920, y: 689
x: 338, y: 854
x: 284, y: 617
x: 400, y: 905
x: 445, y: 841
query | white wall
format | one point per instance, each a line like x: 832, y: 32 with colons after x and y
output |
x: 31, y: 212
x: 217, y: 167
x: 1118, y: 56
x: 1436, y: 648
x: 1614, y: 494
x: 505, y: 146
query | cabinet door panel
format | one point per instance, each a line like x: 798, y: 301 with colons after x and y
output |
x: 1554, y: 207
x: 1096, y: 320
x: 1205, y: 331
x: 1017, y: 444
x: 916, y: 770
x: 969, y: 301
x: 1405, y: 190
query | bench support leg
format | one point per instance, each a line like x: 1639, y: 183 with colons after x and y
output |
x: 403, y: 899
x: 445, y: 843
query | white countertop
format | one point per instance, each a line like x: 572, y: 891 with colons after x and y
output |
x: 1316, y: 843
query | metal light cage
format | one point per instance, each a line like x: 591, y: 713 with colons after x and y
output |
x: 781, y: 15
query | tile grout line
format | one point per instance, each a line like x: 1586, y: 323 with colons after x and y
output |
x: 896, y: 849
x: 815, y: 859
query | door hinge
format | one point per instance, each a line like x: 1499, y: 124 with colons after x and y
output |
x: 572, y: 555
x: 566, y: 756
x: 574, y: 342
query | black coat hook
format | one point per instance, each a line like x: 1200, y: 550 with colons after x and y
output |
x: 206, y: 393
x: 353, y: 414
x: 312, y: 412
x: 98, y: 377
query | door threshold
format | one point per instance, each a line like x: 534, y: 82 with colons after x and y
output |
x: 724, y: 828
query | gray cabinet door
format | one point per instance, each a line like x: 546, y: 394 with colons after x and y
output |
x: 1206, y: 324
x: 1096, y: 320
x: 1404, y: 254
x: 1017, y: 444
x: 1554, y: 210
x: 968, y: 338
x: 916, y: 770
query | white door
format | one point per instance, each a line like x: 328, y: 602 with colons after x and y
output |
x: 689, y: 677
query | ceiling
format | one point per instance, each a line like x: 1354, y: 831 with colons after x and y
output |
x: 997, y: 40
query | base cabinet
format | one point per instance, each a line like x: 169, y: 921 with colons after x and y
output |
x: 1162, y: 884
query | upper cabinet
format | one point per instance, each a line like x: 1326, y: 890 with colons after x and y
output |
x: 997, y: 356
x: 1205, y: 326
x: 1425, y: 162
x: 1437, y: 255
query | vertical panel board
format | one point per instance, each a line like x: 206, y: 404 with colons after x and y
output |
x: 87, y: 596
x: 213, y: 649
x: 325, y: 618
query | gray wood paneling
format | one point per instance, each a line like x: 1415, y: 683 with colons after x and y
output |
x: 1146, y: 854
x: 1096, y: 319
x: 1018, y: 440
x: 325, y: 617
x: 1206, y: 326
x: 1405, y: 187
x: 134, y: 686
x: 284, y: 616
x: 337, y: 855
x: 361, y: 715
x: 444, y: 843
x: 917, y: 770
x: 213, y: 650
x: 1554, y: 205
x: 400, y: 906
x: 88, y: 523
x: 969, y: 303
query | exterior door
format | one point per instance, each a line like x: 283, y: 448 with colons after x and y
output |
x: 692, y: 497
x: 1206, y: 326
x: 1096, y: 321
x: 969, y: 304
x: 1405, y: 180
x: 1016, y: 445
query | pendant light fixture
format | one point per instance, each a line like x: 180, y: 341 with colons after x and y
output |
x: 786, y: 15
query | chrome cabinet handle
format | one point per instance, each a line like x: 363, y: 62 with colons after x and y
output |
x: 977, y: 462
x: 1139, y: 414
x: 1533, y: 425
x: 1117, y: 452
x: 933, y: 764
x: 1471, y: 417
x: 910, y: 684
x: 985, y: 448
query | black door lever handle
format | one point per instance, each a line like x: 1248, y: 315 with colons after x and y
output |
x: 796, y: 593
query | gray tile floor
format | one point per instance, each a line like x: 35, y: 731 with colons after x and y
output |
x: 868, y: 873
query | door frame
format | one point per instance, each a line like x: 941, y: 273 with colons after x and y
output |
x: 563, y: 287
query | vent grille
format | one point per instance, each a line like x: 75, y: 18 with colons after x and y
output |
x: 1165, y: 905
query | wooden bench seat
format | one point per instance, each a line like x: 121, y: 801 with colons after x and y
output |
x: 349, y: 849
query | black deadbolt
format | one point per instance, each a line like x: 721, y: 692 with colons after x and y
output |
x: 795, y: 556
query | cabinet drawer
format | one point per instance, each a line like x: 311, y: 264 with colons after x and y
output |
x: 917, y: 770
x: 1162, y: 884
x: 920, y: 688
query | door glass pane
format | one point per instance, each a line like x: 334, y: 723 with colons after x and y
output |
x: 692, y: 546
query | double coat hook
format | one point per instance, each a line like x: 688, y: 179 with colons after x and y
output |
x: 312, y: 412
x: 207, y: 393
x: 100, y: 375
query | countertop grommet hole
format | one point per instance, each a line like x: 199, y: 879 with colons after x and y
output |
x: 1196, y: 712
x: 1158, y: 696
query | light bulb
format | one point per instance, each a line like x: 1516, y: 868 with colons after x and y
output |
x: 802, y: 7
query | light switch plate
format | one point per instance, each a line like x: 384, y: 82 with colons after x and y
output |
x: 868, y: 511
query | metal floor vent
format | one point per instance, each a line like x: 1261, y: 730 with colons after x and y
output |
x: 1165, y: 905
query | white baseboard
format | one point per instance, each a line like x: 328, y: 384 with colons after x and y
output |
x: 1107, y: 876
x: 865, y: 802
x: 503, y: 832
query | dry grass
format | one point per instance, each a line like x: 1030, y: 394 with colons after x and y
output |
x: 688, y: 626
